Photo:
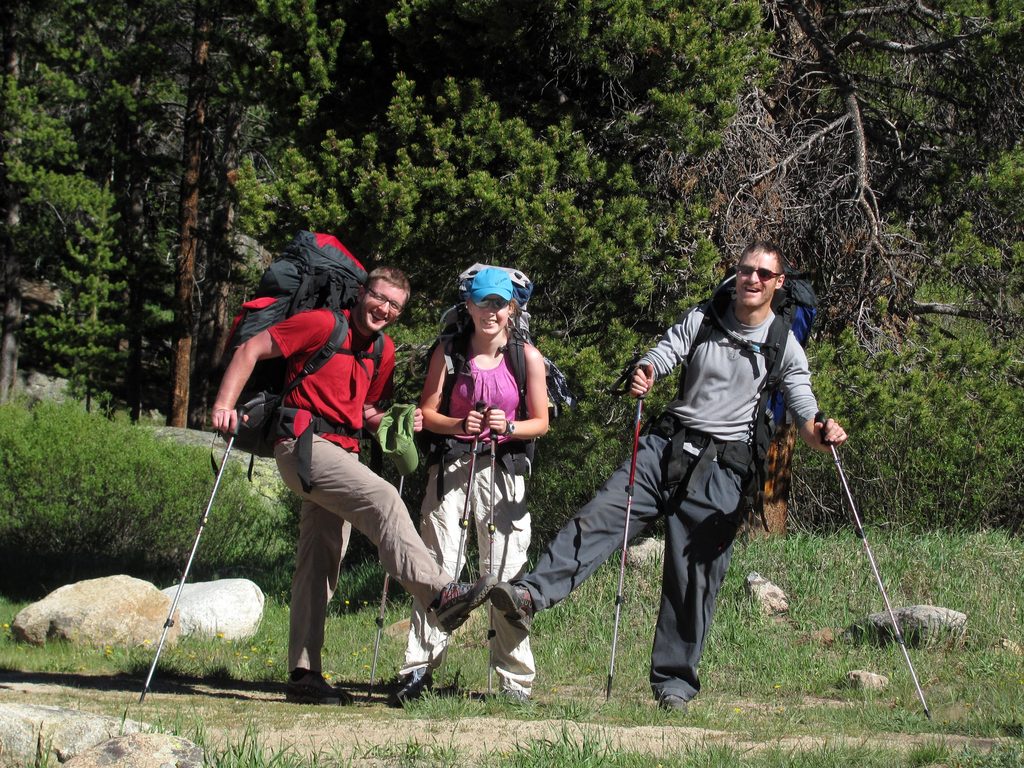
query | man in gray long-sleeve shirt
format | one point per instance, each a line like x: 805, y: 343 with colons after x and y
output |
x: 691, y: 469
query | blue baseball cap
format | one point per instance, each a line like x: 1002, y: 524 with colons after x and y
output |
x: 490, y: 282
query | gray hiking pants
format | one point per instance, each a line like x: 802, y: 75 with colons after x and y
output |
x: 700, y: 522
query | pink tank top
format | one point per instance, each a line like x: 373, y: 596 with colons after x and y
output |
x: 496, y: 387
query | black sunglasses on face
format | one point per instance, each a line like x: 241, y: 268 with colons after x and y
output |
x: 492, y: 302
x: 763, y: 273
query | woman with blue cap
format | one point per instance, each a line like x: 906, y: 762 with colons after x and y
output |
x: 484, y: 405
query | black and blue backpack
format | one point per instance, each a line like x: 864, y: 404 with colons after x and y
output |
x: 795, y: 306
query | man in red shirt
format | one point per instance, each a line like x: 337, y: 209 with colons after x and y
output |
x: 328, y: 408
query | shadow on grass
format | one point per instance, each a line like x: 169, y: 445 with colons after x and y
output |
x: 211, y: 686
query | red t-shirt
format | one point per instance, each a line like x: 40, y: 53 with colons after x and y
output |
x: 339, y: 389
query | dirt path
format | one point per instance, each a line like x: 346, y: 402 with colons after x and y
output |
x: 368, y: 732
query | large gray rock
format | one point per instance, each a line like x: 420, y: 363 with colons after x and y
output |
x: 228, y: 608
x: 33, y: 734
x: 38, y: 387
x: 919, y: 625
x: 141, y: 750
x: 113, y: 610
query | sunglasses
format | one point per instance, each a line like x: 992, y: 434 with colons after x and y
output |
x: 380, y: 298
x: 492, y: 302
x: 763, y: 273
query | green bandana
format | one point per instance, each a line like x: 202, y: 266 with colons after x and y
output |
x: 395, y: 435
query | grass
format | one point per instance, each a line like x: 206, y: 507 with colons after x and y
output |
x: 766, y: 683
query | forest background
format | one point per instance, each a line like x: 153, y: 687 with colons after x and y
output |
x: 156, y: 155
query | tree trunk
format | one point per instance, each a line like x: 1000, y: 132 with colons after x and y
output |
x: 195, y: 120
x: 133, y: 228
x: 12, y: 302
x: 770, y: 519
x: 9, y: 259
x: 215, y: 319
x: 779, y: 478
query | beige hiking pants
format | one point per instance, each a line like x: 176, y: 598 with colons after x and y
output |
x: 343, y: 490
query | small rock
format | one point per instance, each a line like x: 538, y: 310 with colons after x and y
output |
x: 919, y: 625
x: 400, y: 629
x: 644, y: 551
x: 1008, y: 645
x: 771, y: 599
x: 866, y: 681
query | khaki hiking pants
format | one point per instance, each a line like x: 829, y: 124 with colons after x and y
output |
x: 439, y: 526
x: 345, y: 490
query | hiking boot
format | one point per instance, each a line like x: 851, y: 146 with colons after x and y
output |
x: 515, y: 602
x: 414, y: 685
x: 515, y: 695
x: 311, y: 688
x: 458, y: 600
x: 672, y: 702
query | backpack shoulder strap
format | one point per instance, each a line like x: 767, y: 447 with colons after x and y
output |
x: 319, y: 358
x: 707, y: 326
x: 774, y: 347
x: 378, y: 353
x: 515, y: 354
x: 454, y: 346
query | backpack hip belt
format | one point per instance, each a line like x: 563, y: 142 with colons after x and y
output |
x: 318, y: 425
x: 679, y: 461
x: 449, y: 448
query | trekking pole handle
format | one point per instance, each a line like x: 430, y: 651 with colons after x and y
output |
x: 237, y: 420
x: 622, y: 384
x: 821, y: 418
x: 643, y: 368
x: 478, y: 407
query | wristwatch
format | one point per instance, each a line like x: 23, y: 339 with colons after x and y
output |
x: 510, y: 427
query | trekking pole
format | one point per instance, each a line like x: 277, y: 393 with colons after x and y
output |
x: 859, y: 529
x: 174, y: 603
x: 625, y: 542
x: 464, y: 520
x: 490, y: 560
x: 380, y: 615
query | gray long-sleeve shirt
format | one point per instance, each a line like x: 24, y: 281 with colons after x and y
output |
x: 724, y: 380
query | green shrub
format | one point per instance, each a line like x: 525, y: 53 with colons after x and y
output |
x: 83, y: 496
x: 935, y: 440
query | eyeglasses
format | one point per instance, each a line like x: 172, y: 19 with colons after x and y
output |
x: 492, y: 302
x: 380, y: 298
x: 763, y: 273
